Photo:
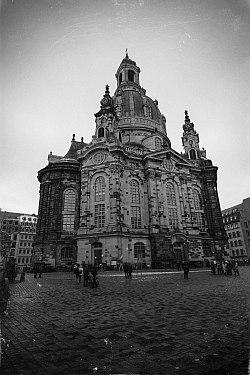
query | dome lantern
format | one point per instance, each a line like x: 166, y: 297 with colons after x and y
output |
x: 128, y: 72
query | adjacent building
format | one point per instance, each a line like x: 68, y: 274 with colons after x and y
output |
x: 17, y: 232
x: 127, y: 195
x: 236, y: 221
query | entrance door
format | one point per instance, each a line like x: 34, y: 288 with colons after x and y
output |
x: 178, y: 251
x: 97, y: 252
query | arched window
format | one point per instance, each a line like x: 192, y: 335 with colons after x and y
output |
x: 157, y: 143
x: 131, y: 75
x: 197, y: 200
x: 66, y: 253
x: 100, y: 133
x: 139, y: 250
x: 198, y: 215
x: 99, y: 189
x: 192, y: 154
x: 172, y: 206
x: 68, y: 216
x: 69, y: 200
x: 135, y: 191
x: 120, y: 78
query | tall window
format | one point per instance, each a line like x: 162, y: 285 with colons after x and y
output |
x: 192, y: 154
x: 172, y: 206
x: 157, y: 143
x: 139, y: 250
x: 135, y: 217
x: 198, y: 217
x: 99, y: 215
x: 69, y: 200
x: 135, y: 191
x: 100, y: 132
x: 99, y: 189
x: 131, y: 75
x: 69, y: 210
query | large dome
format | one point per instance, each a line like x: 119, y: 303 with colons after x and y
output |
x: 134, y: 104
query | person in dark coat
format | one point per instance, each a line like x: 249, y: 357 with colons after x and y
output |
x: 125, y: 269
x: 185, y: 267
x: 130, y: 270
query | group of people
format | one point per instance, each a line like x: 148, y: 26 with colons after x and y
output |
x: 128, y: 270
x: 225, y: 267
x: 89, y: 274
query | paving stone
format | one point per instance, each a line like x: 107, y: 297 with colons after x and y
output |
x: 155, y: 324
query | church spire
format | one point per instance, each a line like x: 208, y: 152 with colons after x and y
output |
x: 190, y: 139
x: 128, y: 72
x: 127, y: 54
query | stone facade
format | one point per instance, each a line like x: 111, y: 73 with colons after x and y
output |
x: 133, y: 198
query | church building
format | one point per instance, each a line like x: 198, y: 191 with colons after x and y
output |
x: 127, y: 196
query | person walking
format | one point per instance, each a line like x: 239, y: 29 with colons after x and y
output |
x: 85, y: 275
x: 236, y: 268
x: 130, y: 271
x: 80, y: 273
x: 185, y: 267
x: 22, y: 277
x: 125, y: 269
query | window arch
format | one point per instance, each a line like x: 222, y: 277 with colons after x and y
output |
x: 131, y: 75
x: 157, y: 143
x: 139, y: 250
x: 100, y: 133
x: 197, y: 200
x: 172, y: 206
x: 192, y: 154
x: 135, y: 191
x: 100, y: 189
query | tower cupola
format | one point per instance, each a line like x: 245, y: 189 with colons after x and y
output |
x: 190, y: 140
x: 128, y: 72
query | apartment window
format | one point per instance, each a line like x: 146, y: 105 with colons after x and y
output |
x: 246, y: 225
x: 231, y: 243
x: 99, y: 216
x: 135, y: 217
x: 135, y: 191
x: 247, y: 232
x: 139, y: 250
x: 242, y: 251
x: 235, y: 243
x: 239, y: 242
x: 233, y: 234
x: 18, y: 260
x: 229, y: 235
x: 99, y: 189
x: 233, y: 252
x: 238, y: 233
x: 237, y: 252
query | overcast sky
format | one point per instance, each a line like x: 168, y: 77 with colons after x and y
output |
x: 58, y: 55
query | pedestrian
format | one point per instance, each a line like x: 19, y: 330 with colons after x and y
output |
x: 224, y: 267
x: 35, y: 271
x: 130, y: 271
x: 80, y: 273
x: 185, y: 267
x: 125, y: 269
x: 220, y: 269
x: 213, y: 267
x: 22, y: 278
x: 178, y: 265
x: 236, y: 269
x: 85, y: 275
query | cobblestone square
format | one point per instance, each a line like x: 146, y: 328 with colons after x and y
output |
x: 156, y: 323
